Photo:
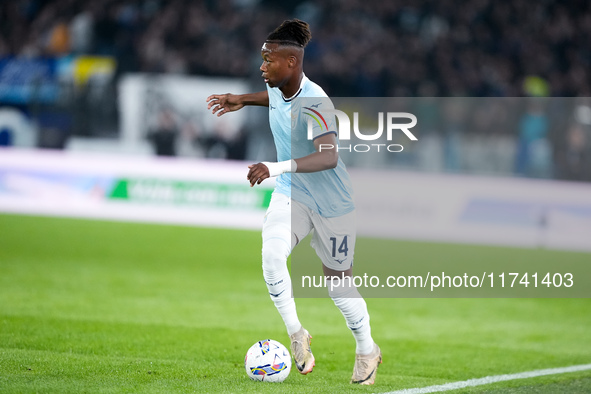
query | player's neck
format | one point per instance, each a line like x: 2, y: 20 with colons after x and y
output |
x: 292, y: 87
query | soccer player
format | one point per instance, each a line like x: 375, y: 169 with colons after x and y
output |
x: 313, y: 188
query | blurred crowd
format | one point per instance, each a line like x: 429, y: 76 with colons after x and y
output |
x: 359, y: 47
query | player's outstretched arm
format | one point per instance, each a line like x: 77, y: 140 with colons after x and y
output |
x: 325, y: 158
x: 224, y: 103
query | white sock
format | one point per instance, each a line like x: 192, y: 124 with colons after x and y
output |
x: 354, y: 309
x: 278, y: 282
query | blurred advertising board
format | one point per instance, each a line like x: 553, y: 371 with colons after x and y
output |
x: 473, y: 209
x: 390, y: 204
x: 196, y: 192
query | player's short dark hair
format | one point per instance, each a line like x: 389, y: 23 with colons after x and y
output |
x: 291, y: 32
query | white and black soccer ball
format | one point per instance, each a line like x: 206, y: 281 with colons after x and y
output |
x: 267, y: 361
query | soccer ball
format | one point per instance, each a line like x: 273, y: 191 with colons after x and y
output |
x: 267, y: 361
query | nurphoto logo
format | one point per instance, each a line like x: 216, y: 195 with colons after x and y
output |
x: 344, y: 133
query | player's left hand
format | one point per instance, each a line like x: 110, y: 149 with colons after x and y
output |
x: 257, y: 173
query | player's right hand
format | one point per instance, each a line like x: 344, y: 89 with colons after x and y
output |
x: 223, y: 103
x: 257, y: 173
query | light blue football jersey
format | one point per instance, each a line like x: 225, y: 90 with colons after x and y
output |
x: 328, y: 192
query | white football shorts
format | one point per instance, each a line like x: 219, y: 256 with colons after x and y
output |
x: 333, y: 239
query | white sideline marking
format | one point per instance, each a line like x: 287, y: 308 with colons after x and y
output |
x: 491, y: 379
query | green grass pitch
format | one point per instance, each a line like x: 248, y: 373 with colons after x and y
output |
x: 107, y: 307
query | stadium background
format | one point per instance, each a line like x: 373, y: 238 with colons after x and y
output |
x: 102, y: 115
x: 360, y: 48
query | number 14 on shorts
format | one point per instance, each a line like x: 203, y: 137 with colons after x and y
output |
x: 343, y: 248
